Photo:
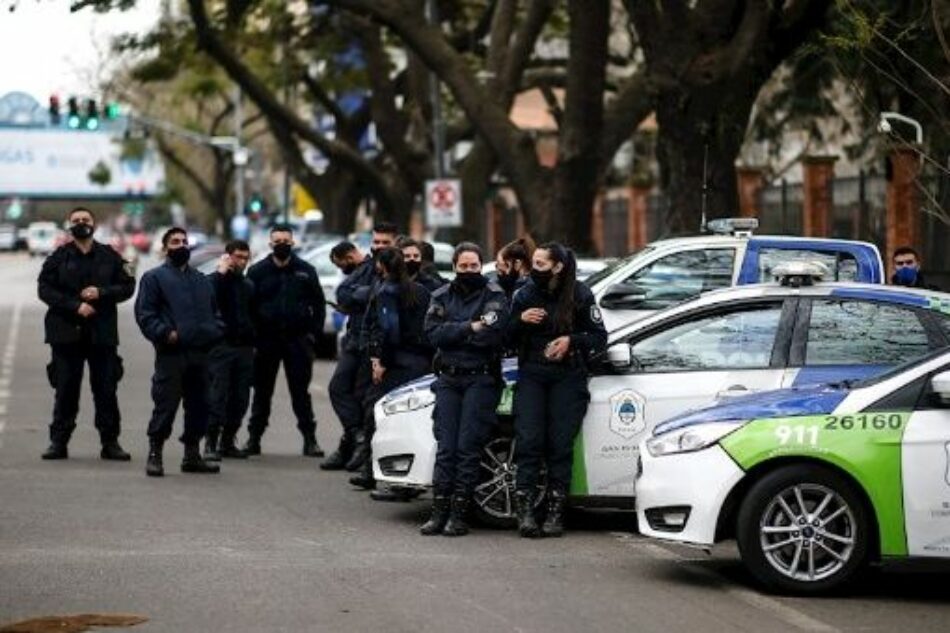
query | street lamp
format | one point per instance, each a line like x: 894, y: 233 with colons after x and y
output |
x: 884, y: 125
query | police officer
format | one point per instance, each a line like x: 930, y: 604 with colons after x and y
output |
x: 412, y: 254
x: 288, y: 314
x: 397, y: 346
x: 350, y: 378
x: 907, y: 269
x: 231, y: 364
x: 556, y: 327
x: 466, y: 324
x: 513, y: 265
x: 175, y: 309
x: 428, y: 262
x: 82, y: 282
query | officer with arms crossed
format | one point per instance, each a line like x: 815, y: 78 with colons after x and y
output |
x: 288, y: 313
x: 231, y: 364
x: 176, y: 311
x: 466, y: 324
x: 82, y: 282
x: 556, y: 327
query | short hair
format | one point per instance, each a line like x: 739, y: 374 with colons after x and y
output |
x: 236, y: 245
x: 78, y: 209
x: 385, y: 227
x: 905, y: 250
x: 175, y: 230
x: 282, y: 228
x: 467, y: 247
x: 341, y: 250
x: 408, y: 242
x: 428, y: 252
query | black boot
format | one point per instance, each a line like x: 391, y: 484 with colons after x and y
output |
x: 554, y: 521
x: 229, y: 450
x: 338, y: 458
x: 311, y: 448
x: 360, y: 453
x: 524, y: 507
x: 365, y: 479
x: 153, y: 466
x: 111, y: 451
x: 56, y: 450
x: 438, y: 517
x: 458, y: 514
x: 253, y: 445
x: 192, y: 462
x: 212, y: 454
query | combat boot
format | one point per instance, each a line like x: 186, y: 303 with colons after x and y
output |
x: 311, y: 448
x: 153, y: 466
x: 554, y: 521
x: 360, y: 453
x: 339, y: 458
x: 457, y: 524
x: 229, y: 450
x: 524, y: 508
x: 365, y: 479
x: 192, y: 462
x: 438, y: 517
x: 111, y: 451
x: 212, y: 454
x: 56, y: 450
x: 253, y: 445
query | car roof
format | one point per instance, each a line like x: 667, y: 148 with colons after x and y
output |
x: 728, y: 240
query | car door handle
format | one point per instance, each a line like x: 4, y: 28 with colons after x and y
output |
x: 733, y: 391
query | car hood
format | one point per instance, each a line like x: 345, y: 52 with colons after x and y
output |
x: 509, y: 371
x: 795, y: 401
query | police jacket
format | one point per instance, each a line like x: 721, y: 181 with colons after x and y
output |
x: 587, y: 332
x: 171, y: 298
x: 449, y: 325
x: 513, y: 286
x: 288, y: 300
x: 64, y: 275
x: 352, y: 298
x: 431, y: 283
x: 234, y: 294
x: 394, y: 326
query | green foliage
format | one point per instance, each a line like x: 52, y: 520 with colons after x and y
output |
x: 100, y: 174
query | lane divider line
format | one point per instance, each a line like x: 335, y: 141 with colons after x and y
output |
x: 7, y: 366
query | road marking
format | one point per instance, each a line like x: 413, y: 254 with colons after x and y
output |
x: 6, y: 367
x: 787, y: 614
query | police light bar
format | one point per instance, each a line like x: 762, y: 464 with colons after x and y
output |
x: 732, y: 226
x: 797, y: 274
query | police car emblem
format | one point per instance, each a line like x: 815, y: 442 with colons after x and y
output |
x: 595, y: 315
x: 490, y: 318
x: 627, y: 414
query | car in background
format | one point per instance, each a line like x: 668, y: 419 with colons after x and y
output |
x: 41, y: 238
x: 813, y: 483
x: 721, y: 345
x: 8, y: 237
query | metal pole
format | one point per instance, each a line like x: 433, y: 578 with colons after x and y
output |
x: 286, y: 72
x: 438, y: 124
x: 238, y: 169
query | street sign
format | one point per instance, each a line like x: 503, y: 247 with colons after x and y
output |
x: 443, y: 203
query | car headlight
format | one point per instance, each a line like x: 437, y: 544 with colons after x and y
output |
x: 409, y: 402
x: 692, y: 438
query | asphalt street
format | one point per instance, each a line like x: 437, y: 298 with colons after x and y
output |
x: 274, y: 544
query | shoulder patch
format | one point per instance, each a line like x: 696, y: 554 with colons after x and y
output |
x: 490, y: 318
x: 595, y: 314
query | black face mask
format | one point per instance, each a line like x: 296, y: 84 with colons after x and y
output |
x: 348, y: 269
x: 282, y: 251
x: 508, y: 281
x: 413, y: 268
x: 81, y: 231
x: 542, y: 278
x: 470, y: 282
x: 179, y: 256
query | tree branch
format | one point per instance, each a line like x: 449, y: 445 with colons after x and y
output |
x: 633, y: 104
x: 187, y: 170
x: 320, y: 96
x: 554, y: 108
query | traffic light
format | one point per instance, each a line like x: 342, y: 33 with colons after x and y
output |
x: 72, y: 118
x: 255, y: 204
x: 112, y: 110
x: 92, y: 115
x: 54, y: 110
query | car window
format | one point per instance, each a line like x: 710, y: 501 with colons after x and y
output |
x: 943, y: 320
x: 841, y: 266
x: 683, y: 275
x: 614, y: 266
x: 863, y: 333
x: 742, y: 339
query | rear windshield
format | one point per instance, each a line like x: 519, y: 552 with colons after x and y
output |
x: 841, y: 266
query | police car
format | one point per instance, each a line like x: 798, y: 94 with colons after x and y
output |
x: 813, y: 483
x: 721, y: 345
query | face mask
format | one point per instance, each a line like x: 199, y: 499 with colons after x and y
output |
x: 470, y: 281
x: 348, y: 269
x: 542, y: 278
x: 507, y: 281
x: 413, y: 268
x: 906, y: 276
x: 282, y: 251
x: 179, y: 256
x: 81, y: 231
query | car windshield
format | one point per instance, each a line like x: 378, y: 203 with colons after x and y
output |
x: 615, y: 266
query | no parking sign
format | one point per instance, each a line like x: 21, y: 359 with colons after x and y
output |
x: 443, y: 203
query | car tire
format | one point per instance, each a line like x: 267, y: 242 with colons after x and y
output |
x: 494, y: 496
x: 808, y: 552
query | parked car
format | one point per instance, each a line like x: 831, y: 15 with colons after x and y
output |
x: 8, y: 237
x: 812, y: 483
x: 723, y: 344
x: 41, y: 238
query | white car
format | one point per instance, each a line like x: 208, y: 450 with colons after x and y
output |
x: 41, y: 238
x: 812, y: 483
x: 721, y: 345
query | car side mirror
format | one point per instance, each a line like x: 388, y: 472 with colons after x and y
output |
x: 940, y: 386
x: 623, y: 297
x: 620, y: 356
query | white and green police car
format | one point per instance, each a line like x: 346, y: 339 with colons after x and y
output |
x: 813, y: 483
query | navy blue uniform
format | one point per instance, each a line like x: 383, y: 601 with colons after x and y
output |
x: 469, y: 382
x: 172, y: 299
x: 289, y: 312
x: 551, y: 397
x: 431, y: 282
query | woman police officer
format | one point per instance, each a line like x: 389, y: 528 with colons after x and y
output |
x: 513, y: 264
x: 556, y: 327
x: 466, y: 324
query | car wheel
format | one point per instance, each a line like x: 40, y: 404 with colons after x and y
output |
x: 494, y: 497
x: 803, y: 529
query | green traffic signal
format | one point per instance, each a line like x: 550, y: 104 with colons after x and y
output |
x: 256, y: 205
x: 112, y: 110
x: 72, y: 122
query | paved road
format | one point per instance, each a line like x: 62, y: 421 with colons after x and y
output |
x: 274, y: 544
